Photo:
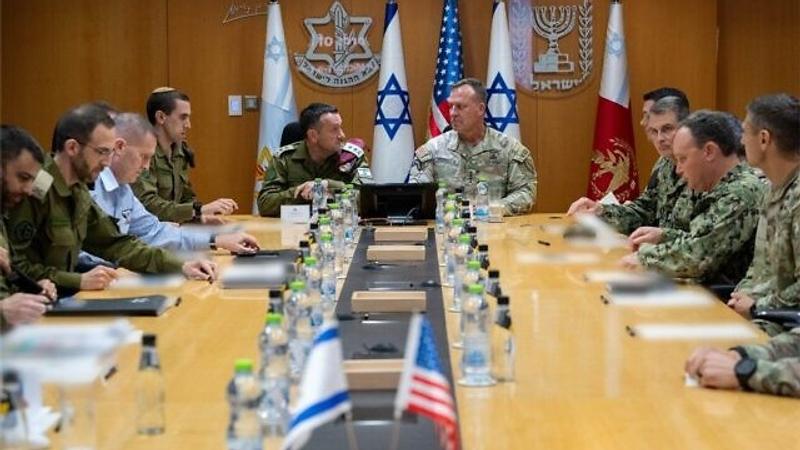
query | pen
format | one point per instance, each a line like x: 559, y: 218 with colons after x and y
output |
x: 543, y: 242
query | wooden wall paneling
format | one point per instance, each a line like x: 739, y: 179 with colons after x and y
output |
x: 669, y: 44
x: 60, y: 54
x: 759, y: 51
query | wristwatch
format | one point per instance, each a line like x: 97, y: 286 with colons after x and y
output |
x: 744, y: 369
x: 198, y: 210
x: 212, y: 242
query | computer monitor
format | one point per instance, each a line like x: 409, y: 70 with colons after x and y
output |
x: 398, y: 202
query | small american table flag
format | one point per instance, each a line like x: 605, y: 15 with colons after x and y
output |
x: 423, y: 388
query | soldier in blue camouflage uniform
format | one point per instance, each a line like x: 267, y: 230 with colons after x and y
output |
x: 655, y: 205
x: 772, y: 143
x: 772, y: 368
x: 710, y: 237
x: 322, y: 154
x: 472, y: 149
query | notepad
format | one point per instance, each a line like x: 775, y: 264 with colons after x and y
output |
x: 701, y: 331
x: 145, y: 305
x: 148, y: 282
x: 662, y: 299
x: 557, y: 258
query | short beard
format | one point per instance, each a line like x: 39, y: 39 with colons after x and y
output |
x: 81, y: 168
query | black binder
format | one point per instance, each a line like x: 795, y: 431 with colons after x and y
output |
x: 144, y: 305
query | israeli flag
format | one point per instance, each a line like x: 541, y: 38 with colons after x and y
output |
x: 323, y: 388
x: 393, y: 139
x: 501, y: 101
x: 277, y: 96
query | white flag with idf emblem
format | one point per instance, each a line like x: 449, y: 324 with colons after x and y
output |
x: 501, y: 93
x: 277, y: 96
x: 393, y: 139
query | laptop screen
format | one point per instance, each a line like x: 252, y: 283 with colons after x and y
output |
x: 407, y: 201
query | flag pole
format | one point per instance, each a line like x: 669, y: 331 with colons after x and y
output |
x: 395, y: 434
x: 352, y: 442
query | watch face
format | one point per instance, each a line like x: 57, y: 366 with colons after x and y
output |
x: 745, y: 368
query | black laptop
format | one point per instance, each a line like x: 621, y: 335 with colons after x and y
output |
x: 144, y: 305
x: 398, y: 202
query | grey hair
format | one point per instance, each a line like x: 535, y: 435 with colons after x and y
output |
x: 132, y: 127
x: 670, y: 104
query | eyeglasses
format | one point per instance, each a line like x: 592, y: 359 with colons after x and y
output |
x: 101, y: 151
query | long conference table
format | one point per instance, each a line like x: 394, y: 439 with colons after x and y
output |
x: 582, y: 381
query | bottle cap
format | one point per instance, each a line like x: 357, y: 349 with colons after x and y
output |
x: 333, y: 206
x: 324, y: 220
x: 317, y: 180
x: 322, y: 211
x: 465, y: 214
x: 464, y: 202
x: 450, y: 207
x: 443, y: 184
x: 502, y: 300
x: 243, y: 365
x: 482, y: 178
x: 475, y: 289
x: 494, y: 274
x: 313, y: 226
x: 149, y: 339
x: 297, y: 285
x: 483, y: 247
x: 330, y: 200
x: 348, y: 186
x: 303, y: 244
x: 458, y: 222
x: 274, y: 319
x: 459, y: 190
x: 451, y: 196
x: 472, y: 229
x: 326, y: 237
x: 473, y: 264
x: 310, y: 261
x: 464, y: 239
x: 275, y: 293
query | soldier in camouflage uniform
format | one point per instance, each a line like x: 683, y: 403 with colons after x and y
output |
x: 710, y: 237
x: 654, y: 206
x: 47, y: 234
x: 472, y: 149
x: 322, y: 154
x: 771, y: 368
x: 21, y: 161
x: 164, y: 189
x: 772, y: 143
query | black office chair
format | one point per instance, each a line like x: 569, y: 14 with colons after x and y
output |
x: 786, y: 318
x: 291, y: 133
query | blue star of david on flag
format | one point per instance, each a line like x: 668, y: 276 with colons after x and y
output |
x: 499, y: 87
x: 275, y: 49
x: 393, y: 107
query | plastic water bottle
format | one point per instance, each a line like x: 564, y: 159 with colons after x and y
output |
x: 472, y: 231
x: 347, y: 216
x: 13, y: 420
x: 440, y: 205
x: 483, y: 256
x: 305, y: 248
x: 244, y: 398
x: 313, y: 278
x: 299, y: 326
x: 355, y: 199
x: 460, y: 255
x: 325, y: 225
x: 274, y: 376
x: 471, y: 276
x: 318, y: 196
x: 456, y: 228
x: 338, y: 229
x: 482, y: 200
x: 328, y: 282
x: 476, y: 358
x: 503, y: 342
x: 149, y: 390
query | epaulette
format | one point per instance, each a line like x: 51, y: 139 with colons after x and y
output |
x: 354, y: 149
x: 285, y: 148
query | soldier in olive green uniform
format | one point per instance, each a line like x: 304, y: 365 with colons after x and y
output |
x: 772, y: 143
x: 472, y: 149
x: 712, y: 227
x: 22, y: 159
x: 321, y: 154
x: 292, y: 166
x: 48, y: 234
x: 165, y: 189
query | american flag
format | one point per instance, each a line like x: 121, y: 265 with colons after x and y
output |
x: 423, y: 387
x: 449, y: 68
